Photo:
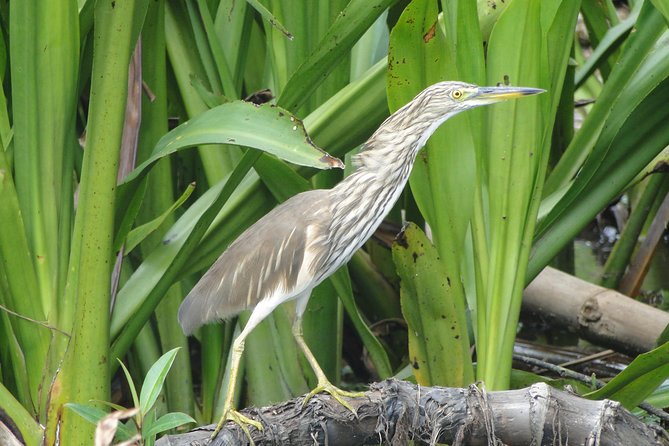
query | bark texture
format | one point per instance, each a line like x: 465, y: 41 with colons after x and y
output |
x: 396, y: 412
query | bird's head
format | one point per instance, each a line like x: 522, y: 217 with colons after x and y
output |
x: 442, y: 100
x: 453, y: 97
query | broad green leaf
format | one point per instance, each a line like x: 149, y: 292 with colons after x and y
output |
x: 36, y: 199
x: 271, y: 344
x: 139, y: 234
x: 438, y: 334
x: 599, y: 19
x: 188, y: 64
x: 266, y: 127
x: 342, y: 284
x: 153, y: 382
x: 220, y: 77
x: 639, y: 379
x: 23, y: 420
x: 165, y: 423
x: 351, y: 116
x: 44, y: 63
x: 233, y: 24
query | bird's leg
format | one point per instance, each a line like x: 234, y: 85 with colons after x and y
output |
x: 229, y: 413
x: 324, y: 384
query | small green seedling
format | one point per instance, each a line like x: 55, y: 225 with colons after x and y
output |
x: 144, y: 426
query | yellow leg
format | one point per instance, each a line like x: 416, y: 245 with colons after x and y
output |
x: 324, y: 384
x: 229, y: 413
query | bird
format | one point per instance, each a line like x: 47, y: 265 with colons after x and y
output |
x: 304, y: 240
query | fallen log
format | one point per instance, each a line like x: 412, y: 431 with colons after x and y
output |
x: 397, y: 412
x: 600, y: 315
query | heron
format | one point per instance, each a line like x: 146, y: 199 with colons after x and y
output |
x: 302, y: 241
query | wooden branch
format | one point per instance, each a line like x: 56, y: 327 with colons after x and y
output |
x: 396, y: 412
x: 600, y: 315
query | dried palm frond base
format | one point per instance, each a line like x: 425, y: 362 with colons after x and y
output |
x: 397, y: 412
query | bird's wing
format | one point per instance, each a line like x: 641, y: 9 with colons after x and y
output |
x: 266, y: 259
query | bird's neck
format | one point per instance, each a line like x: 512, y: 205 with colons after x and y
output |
x: 364, y: 198
x: 385, y: 161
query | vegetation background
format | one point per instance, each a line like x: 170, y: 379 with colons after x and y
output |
x: 96, y: 255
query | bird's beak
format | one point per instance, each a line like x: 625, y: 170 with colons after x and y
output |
x: 496, y: 94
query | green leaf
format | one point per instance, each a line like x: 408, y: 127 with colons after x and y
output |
x: 639, y: 379
x: 153, y: 383
x: 437, y: 326
x: 266, y: 127
x: 139, y: 234
x: 166, y: 422
x: 131, y: 383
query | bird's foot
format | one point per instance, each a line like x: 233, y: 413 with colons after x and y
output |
x: 336, y: 392
x: 242, y: 421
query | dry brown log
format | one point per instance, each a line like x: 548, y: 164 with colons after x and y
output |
x: 600, y: 315
x: 396, y: 412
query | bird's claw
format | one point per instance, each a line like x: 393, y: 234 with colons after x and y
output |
x: 240, y: 420
x: 336, y: 393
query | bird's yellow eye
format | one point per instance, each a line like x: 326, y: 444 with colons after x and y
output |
x: 456, y: 94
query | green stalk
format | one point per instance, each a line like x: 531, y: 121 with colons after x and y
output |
x: 158, y: 197
x: 90, y: 268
